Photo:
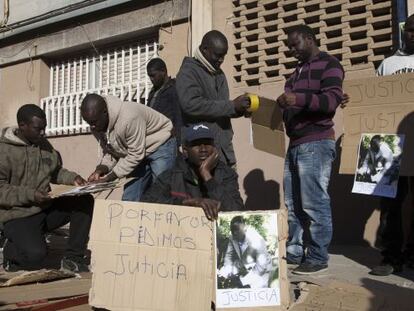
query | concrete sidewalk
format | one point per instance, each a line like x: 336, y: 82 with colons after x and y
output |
x: 348, y: 264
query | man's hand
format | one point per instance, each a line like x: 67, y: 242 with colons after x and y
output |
x: 99, y: 172
x: 41, y: 197
x: 79, y: 181
x: 286, y: 100
x: 107, y: 178
x: 208, y: 165
x: 345, y: 100
x: 209, y: 206
x: 241, y: 103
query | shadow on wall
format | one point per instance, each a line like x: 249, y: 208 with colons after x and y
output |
x: 261, y: 194
x: 350, y: 211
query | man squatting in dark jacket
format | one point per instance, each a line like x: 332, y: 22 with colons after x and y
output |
x: 200, y: 179
x: 28, y: 164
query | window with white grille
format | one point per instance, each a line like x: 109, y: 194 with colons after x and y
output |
x: 120, y: 72
x: 357, y: 32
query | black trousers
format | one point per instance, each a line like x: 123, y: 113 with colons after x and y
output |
x: 391, y: 228
x: 26, y: 246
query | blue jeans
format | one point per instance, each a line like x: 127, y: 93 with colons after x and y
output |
x: 306, y: 179
x: 147, y: 171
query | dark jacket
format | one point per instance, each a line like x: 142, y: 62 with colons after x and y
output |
x: 23, y: 170
x: 180, y: 183
x: 204, y: 98
x: 166, y: 102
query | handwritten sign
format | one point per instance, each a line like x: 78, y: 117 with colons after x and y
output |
x: 150, y: 257
x: 378, y: 105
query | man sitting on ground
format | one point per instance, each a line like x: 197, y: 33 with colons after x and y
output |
x: 28, y: 164
x: 200, y: 179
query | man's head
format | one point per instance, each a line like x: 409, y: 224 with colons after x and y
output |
x: 238, y: 228
x: 95, y: 112
x: 198, y: 144
x: 408, y: 35
x: 302, y: 43
x: 31, y: 120
x: 157, y: 72
x: 214, y: 48
x: 375, y: 142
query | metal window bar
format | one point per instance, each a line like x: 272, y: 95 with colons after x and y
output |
x: 121, y: 72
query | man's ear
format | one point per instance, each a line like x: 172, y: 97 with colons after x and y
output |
x: 185, y: 152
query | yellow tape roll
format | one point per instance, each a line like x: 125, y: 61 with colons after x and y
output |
x: 254, y: 102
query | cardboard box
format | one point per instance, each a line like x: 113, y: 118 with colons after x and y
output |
x: 378, y: 105
x: 267, y: 128
x: 150, y: 257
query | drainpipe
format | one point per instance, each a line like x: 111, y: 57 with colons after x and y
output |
x: 400, y: 15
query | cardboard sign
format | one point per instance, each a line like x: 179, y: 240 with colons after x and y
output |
x: 150, y: 257
x: 267, y: 128
x: 378, y: 105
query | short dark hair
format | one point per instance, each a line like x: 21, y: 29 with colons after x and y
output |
x: 156, y: 64
x: 27, y: 112
x: 410, y: 19
x: 213, y: 36
x: 237, y: 221
x: 304, y: 30
x: 92, y: 100
x: 376, y: 138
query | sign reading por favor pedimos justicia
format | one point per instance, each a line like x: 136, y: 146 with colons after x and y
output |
x: 150, y: 257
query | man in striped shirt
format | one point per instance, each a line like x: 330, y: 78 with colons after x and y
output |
x: 312, y: 94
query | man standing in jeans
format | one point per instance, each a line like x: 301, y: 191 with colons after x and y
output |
x: 312, y: 94
x: 136, y: 142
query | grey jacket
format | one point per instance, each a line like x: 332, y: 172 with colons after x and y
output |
x: 204, y: 97
x: 25, y: 168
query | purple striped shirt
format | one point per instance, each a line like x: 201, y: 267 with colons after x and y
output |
x: 317, y: 85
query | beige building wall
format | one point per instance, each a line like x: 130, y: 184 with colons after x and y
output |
x: 410, y: 7
x: 20, y: 84
x: 176, y: 44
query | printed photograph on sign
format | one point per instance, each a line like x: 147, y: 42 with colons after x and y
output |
x: 247, y: 260
x: 378, y: 164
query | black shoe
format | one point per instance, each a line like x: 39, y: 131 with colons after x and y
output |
x: 10, y: 266
x: 385, y: 269
x: 74, y: 264
x: 307, y: 268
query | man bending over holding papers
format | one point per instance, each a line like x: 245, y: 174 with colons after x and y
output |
x: 28, y: 164
x: 200, y: 179
x: 136, y: 142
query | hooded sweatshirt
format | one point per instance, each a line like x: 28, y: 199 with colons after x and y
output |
x: 25, y: 168
x: 134, y: 131
x: 204, y: 98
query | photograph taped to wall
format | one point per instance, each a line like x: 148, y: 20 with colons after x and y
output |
x: 378, y: 164
x: 247, y: 257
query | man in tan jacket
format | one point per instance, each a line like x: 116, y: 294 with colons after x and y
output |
x: 136, y: 142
